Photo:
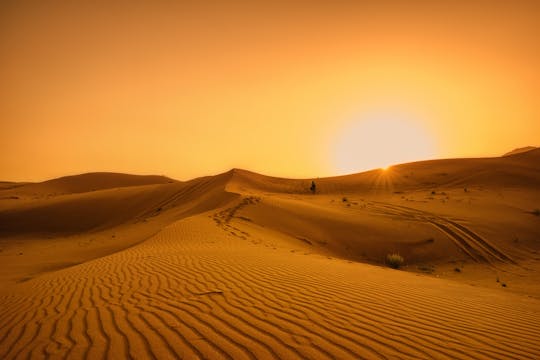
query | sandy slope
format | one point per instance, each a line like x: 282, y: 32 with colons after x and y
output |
x: 241, y: 265
x: 195, y: 291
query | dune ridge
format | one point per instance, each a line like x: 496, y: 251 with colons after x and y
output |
x: 90, y: 182
x: 520, y: 150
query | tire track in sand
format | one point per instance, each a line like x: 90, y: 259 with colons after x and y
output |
x: 476, y: 247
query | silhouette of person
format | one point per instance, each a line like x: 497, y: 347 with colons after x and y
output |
x: 313, y: 187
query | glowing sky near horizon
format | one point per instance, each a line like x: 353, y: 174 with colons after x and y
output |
x: 294, y: 89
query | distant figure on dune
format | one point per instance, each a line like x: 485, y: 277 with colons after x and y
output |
x: 313, y: 187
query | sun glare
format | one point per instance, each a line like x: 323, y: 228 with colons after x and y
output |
x: 377, y: 142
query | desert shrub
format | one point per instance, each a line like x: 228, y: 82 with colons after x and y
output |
x: 344, y: 199
x: 394, y: 260
x: 429, y: 269
x: 536, y: 212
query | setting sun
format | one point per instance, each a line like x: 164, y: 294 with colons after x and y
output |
x: 289, y: 88
x: 380, y: 140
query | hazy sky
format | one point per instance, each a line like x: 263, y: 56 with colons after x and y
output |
x: 291, y: 88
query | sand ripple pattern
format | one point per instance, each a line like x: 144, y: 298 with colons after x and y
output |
x: 194, y: 291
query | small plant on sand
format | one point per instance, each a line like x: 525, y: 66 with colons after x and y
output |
x: 428, y: 269
x: 394, y: 260
x: 344, y: 199
x: 536, y: 212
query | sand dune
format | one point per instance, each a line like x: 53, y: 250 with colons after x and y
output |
x: 104, y: 208
x: 86, y: 182
x: 246, y: 266
x: 520, y: 150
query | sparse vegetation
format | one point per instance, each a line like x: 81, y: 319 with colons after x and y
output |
x: 344, y: 199
x: 458, y: 270
x: 428, y: 269
x: 394, y: 260
x: 536, y: 212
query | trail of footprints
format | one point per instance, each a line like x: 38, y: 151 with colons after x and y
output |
x: 191, y: 292
x: 223, y: 218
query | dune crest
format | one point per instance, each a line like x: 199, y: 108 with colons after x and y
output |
x: 520, y: 150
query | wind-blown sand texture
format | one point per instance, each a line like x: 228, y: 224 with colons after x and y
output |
x: 244, y: 266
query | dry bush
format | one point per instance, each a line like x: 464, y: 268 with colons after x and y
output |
x: 394, y: 260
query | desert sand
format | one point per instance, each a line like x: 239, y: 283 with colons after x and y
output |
x: 245, y: 266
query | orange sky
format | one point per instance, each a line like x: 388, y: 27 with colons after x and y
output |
x: 291, y: 88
